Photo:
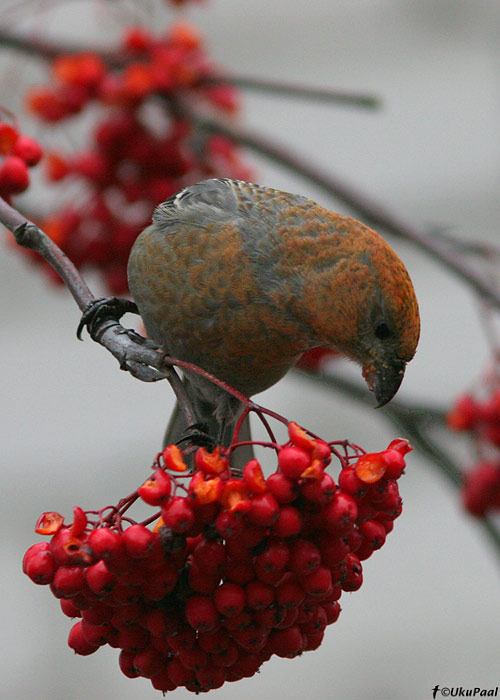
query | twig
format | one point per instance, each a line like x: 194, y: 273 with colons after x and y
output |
x: 29, y: 235
x: 285, y: 89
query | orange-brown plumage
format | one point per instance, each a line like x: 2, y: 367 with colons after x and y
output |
x: 241, y: 280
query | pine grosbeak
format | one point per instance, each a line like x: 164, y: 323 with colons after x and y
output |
x: 241, y: 280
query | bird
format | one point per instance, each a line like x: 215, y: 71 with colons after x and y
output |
x: 242, y: 279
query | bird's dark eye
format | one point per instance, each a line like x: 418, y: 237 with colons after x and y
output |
x: 382, y: 331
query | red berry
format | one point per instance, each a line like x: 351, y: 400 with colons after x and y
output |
x: 373, y: 533
x: 286, y: 643
x: 289, y: 594
x: 39, y: 565
x: 227, y: 656
x: 313, y: 640
x: 179, y: 674
x: 201, y: 580
x: 400, y: 445
x: 465, y: 414
x: 67, y: 581
x: 201, y: 612
x: 288, y: 523
x: 194, y: 658
x: 266, y: 575
x: 244, y: 667
x: 133, y: 638
x: 318, y: 583
x: 95, y: 634
x: 214, y: 642
x: 105, y: 543
x: 14, y: 177
x: 229, y: 523
x: 148, y: 662
x: 69, y: 608
x: 156, y: 491
x: 8, y: 137
x: 481, y: 487
x: 34, y: 549
x: 229, y: 599
x: 253, y: 477
x: 333, y: 549
x: 162, y: 681
x: 137, y: 39
x: 211, y: 463
x: 251, y: 638
x: 354, y: 574
x: 274, y: 557
x: 126, y: 663
x: 293, y: 461
x: 77, y: 641
x: 350, y: 483
x: 139, y: 541
x: 304, y: 557
x: 211, y: 677
x: 317, y: 623
x: 99, y: 578
x: 178, y: 515
x: 162, y: 623
x: 259, y: 595
x: 238, y: 622
x: 209, y: 555
x: 340, y: 515
x: 283, y: 489
x: 28, y: 149
x: 332, y: 611
x: 98, y: 614
x: 319, y: 490
x: 394, y: 464
x: 391, y: 504
x: 125, y: 615
x: 264, y: 509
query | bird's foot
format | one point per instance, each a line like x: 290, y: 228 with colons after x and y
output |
x: 98, y: 310
x: 198, y: 435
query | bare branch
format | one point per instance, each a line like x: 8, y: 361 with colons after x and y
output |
x: 285, y: 89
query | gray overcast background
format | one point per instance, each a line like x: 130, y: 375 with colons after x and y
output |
x: 75, y: 430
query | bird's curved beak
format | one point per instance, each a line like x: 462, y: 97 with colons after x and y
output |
x: 384, y: 381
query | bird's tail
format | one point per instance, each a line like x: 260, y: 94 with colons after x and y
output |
x: 177, y: 426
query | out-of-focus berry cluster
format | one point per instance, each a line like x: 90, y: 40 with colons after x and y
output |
x: 143, y: 148
x: 237, y: 568
x: 480, y: 418
x: 18, y: 153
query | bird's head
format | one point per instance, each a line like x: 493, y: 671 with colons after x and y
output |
x: 368, y: 310
x: 389, y: 326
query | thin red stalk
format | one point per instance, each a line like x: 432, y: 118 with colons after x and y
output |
x: 238, y: 425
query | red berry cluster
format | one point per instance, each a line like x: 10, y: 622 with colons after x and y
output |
x: 18, y: 152
x: 142, y: 149
x: 480, y: 418
x: 237, y: 568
